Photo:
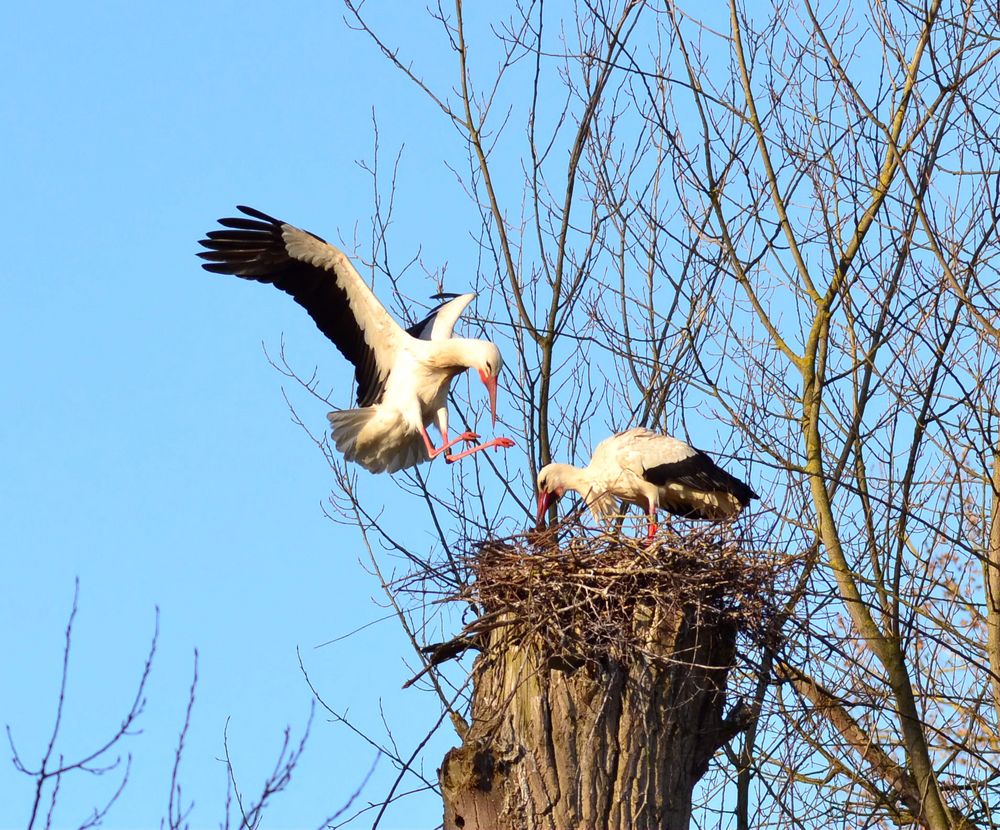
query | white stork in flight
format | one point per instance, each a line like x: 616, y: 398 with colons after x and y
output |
x: 403, y: 377
x: 652, y: 471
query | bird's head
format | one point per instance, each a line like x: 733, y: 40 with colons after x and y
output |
x: 488, y: 363
x: 552, y: 485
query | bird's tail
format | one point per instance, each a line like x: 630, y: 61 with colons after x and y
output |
x: 347, y: 425
x: 376, y: 443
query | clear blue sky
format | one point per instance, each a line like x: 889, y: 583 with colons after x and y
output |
x: 146, y: 445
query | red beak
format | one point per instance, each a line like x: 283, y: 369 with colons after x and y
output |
x: 491, y: 386
x: 545, y: 501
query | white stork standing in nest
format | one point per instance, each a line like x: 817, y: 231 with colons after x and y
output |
x: 652, y: 471
x: 403, y: 377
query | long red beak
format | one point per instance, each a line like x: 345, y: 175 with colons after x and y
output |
x: 545, y: 501
x: 491, y: 387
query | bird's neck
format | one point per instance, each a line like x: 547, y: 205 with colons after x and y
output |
x: 592, y: 491
x: 453, y: 352
x: 574, y: 478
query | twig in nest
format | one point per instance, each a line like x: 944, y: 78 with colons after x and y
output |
x: 439, y: 653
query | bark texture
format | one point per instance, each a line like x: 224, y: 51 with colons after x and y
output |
x: 615, y: 744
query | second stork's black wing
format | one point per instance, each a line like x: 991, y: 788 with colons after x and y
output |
x: 699, y: 472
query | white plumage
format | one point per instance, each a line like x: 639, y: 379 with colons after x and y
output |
x: 402, y: 377
x: 650, y: 470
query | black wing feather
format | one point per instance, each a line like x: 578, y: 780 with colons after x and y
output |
x: 255, y: 249
x: 699, y: 472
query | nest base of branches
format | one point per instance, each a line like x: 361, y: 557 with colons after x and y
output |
x: 588, y: 601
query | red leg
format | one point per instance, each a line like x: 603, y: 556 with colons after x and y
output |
x: 434, y: 452
x: 504, y: 443
x: 653, y: 526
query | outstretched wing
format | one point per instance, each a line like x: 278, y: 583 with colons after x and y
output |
x: 321, y: 279
x: 440, y: 323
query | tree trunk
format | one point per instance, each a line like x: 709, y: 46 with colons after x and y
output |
x: 608, y: 745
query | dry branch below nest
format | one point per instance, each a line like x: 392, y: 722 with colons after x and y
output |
x: 586, y: 598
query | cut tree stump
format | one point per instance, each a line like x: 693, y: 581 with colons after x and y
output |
x: 620, y: 744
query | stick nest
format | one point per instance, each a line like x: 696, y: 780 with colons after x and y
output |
x: 586, y: 598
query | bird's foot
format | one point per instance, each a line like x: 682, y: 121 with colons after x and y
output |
x: 499, y: 443
x: 468, y: 437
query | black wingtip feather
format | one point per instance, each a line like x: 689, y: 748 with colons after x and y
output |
x: 235, y: 246
x: 239, y: 223
x: 248, y: 235
x: 217, y: 267
x: 258, y: 214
